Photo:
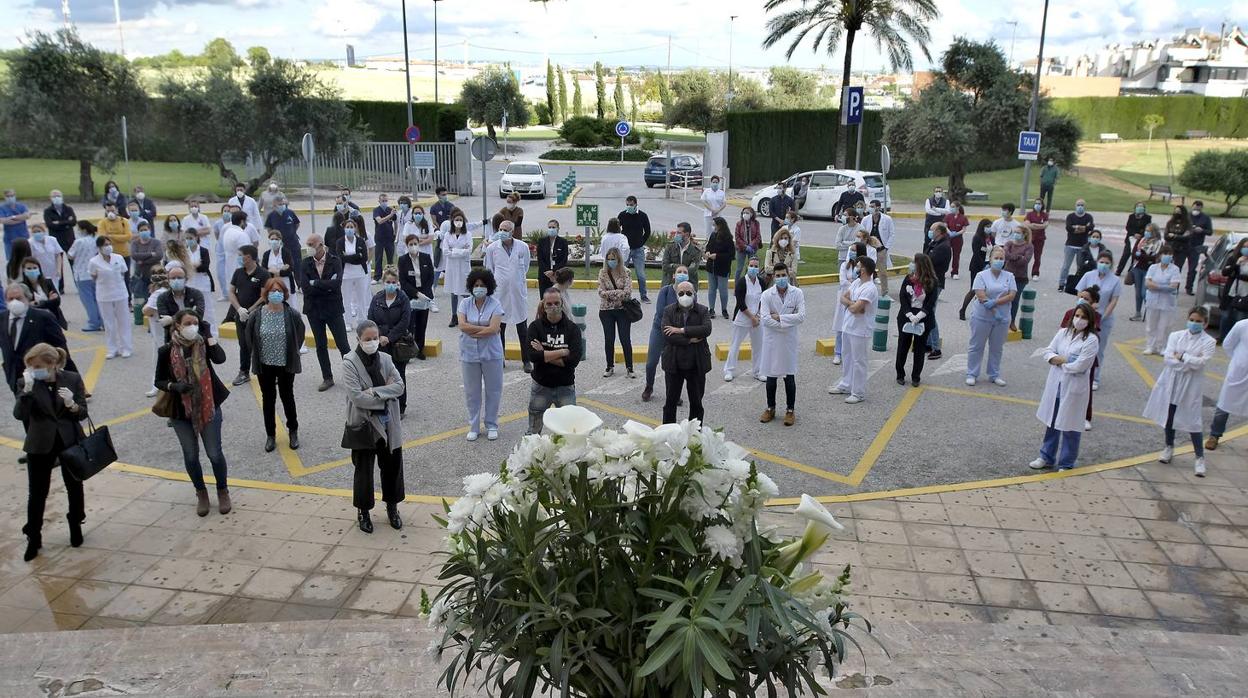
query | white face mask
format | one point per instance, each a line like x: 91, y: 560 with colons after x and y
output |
x: 190, y: 332
x: 414, y: 249
x: 457, y: 224
x: 17, y: 308
x: 747, y: 216
x: 370, y: 346
x: 107, y: 250
x: 684, y: 301
x: 1080, y: 324
x: 782, y: 243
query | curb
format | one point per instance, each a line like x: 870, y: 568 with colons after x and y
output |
x: 568, y: 203
x: 608, y: 163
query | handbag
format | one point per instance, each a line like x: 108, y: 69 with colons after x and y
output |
x: 404, y: 348
x: 631, y: 307
x: 358, y: 437
x: 1128, y: 279
x: 163, y: 407
x: 91, y: 454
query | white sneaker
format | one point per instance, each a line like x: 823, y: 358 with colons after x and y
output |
x: 1149, y: 352
x: 836, y: 360
x: 1096, y: 385
x: 853, y: 400
x: 433, y: 307
x: 473, y: 436
x: 1166, y: 455
x: 956, y: 277
x: 837, y: 390
x: 999, y: 381
x: 1087, y: 425
x: 1039, y: 464
x: 970, y: 380
x: 760, y: 378
x: 1200, y: 467
x: 126, y: 354
x: 152, y: 392
x: 727, y: 377
x: 491, y: 435
x: 303, y: 348
x: 110, y: 355
x: 608, y: 373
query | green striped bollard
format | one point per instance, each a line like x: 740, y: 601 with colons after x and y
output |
x: 578, y: 318
x: 1029, y: 308
x: 879, y: 341
x: 139, y: 302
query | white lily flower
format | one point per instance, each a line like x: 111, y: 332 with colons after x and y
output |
x: 817, y: 514
x: 571, y: 421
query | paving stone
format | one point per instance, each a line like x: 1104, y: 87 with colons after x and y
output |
x: 1009, y: 593
x: 324, y: 590
x: 883, y: 555
x: 272, y: 584
x: 244, y: 610
x: 1103, y: 572
x: 1073, y: 598
x: 1122, y: 602
x: 1138, y: 551
x: 1020, y: 519
x: 940, y: 560
x: 137, y: 603
x: 1190, y: 554
x: 86, y: 597
x: 379, y: 596
x: 923, y: 512
x: 986, y: 563
x: 188, y: 608
x: 951, y: 588
x: 1184, y: 607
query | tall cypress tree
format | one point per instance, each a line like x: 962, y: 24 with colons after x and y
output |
x: 600, y: 84
x: 618, y: 96
x: 563, y: 97
x: 578, y: 109
x: 551, y: 93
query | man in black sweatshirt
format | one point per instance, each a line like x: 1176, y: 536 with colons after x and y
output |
x: 635, y: 225
x: 1079, y: 225
x: 554, y: 349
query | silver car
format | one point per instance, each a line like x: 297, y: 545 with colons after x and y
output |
x: 825, y: 188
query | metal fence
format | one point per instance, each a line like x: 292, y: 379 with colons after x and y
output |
x: 376, y: 167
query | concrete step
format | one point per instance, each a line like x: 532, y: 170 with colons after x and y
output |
x: 388, y: 657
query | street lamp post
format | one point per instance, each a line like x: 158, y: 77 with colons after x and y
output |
x: 407, y: 81
x: 731, y: 22
x: 1013, y: 33
x: 1035, y: 105
x: 435, y: 50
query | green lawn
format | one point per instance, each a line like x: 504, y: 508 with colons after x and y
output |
x: 33, y: 179
x: 1005, y: 185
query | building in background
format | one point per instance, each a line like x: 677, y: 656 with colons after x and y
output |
x: 1214, y: 64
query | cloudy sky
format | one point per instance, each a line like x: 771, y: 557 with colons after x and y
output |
x: 582, y: 31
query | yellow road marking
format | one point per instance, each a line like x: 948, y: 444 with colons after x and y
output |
x: 1031, y: 403
x: 92, y: 376
x: 146, y: 411
x: 880, y: 442
x: 290, y: 459
x: 1134, y: 362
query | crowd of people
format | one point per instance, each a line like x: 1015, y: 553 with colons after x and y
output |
x: 381, y: 287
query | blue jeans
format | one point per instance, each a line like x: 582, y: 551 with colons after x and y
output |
x: 1107, y: 328
x: 1068, y: 256
x: 1218, y: 428
x: 541, y: 398
x: 1018, y: 298
x: 743, y: 262
x: 1138, y: 274
x: 637, y: 258
x: 655, y: 352
x: 1069, y: 441
x: 720, y: 284
x: 1197, y: 445
x: 189, y: 440
x: 86, y: 294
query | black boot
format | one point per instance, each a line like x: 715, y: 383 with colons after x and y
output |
x: 270, y: 444
x: 33, y: 543
x: 294, y: 439
x: 366, y: 521
x: 392, y: 512
x: 75, y: 534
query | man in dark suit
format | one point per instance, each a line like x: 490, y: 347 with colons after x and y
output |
x: 22, y: 326
x: 180, y: 297
x: 552, y: 254
x: 686, y: 355
x: 322, y: 304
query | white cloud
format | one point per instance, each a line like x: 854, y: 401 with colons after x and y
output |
x: 346, y: 18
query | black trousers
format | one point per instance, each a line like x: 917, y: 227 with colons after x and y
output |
x: 39, y: 467
x: 917, y: 344
x: 244, y: 348
x: 695, y: 382
x: 522, y: 334
x: 790, y: 392
x: 385, y: 247
x: 336, y: 325
x: 390, y: 463
x: 401, y: 367
x: 275, y: 381
x: 419, y: 323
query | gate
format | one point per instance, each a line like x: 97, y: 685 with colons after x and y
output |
x: 376, y: 167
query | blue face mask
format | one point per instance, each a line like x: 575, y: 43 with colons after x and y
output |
x: 418, y: 217
x: 782, y: 282
x: 276, y: 297
x: 631, y: 209
x: 145, y: 234
x: 500, y: 236
x: 1195, y: 327
x: 1103, y: 267
x: 930, y: 235
x: 392, y: 288
x: 552, y: 232
x: 40, y: 237
x: 611, y: 263
x: 998, y: 264
x: 40, y: 374
x: 1080, y: 209
x: 281, y: 208
x: 177, y: 284
x: 681, y: 278
x: 174, y: 225
x: 851, y: 256
x: 478, y: 292
x: 910, y: 267
x: 680, y: 239
x: 134, y: 215
x: 1083, y: 301
x: 1167, y: 258
x: 752, y: 271
x: 31, y: 273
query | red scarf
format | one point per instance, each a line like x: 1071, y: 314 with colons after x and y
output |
x: 198, y: 404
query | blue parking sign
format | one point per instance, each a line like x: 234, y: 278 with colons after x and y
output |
x: 851, y: 106
x: 1028, y: 145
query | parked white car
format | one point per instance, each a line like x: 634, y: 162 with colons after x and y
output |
x: 826, y: 187
x: 523, y: 177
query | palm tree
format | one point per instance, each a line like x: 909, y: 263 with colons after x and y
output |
x: 892, y: 23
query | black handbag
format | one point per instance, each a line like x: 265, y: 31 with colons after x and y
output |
x: 92, y: 454
x: 359, y: 437
x: 631, y: 307
x: 404, y: 349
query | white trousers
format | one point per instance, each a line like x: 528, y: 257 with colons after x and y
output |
x: 355, y: 300
x: 739, y: 334
x: 854, y: 364
x: 118, y: 326
x: 1157, y: 328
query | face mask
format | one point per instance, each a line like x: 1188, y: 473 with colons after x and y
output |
x: 194, y: 210
x: 782, y: 243
x: 140, y: 196
x: 107, y: 250
x: 792, y: 222
x: 1195, y: 327
x: 998, y: 264
x: 31, y: 274
x: 40, y: 237
x: 1167, y: 258
x: 350, y: 231
x: 57, y: 200
x: 930, y: 235
x: 226, y: 219
x: 940, y: 195
x: 1050, y: 163
x: 346, y: 196
x: 501, y: 235
x: 1196, y: 211
x: 684, y: 300
x: 240, y: 263
x: 681, y: 277
x: 40, y: 374
x: 752, y: 271
x: 134, y: 215
x: 370, y: 346
x: 782, y: 282
x: 860, y: 210
x: 239, y: 193
x: 112, y: 190
x: 177, y: 284
x: 510, y: 205
x: 1148, y: 234
x: 714, y: 186
x: 478, y: 292
x: 191, y: 244
x: 384, y: 204
x: 275, y: 245
x: 1016, y: 237
x: 281, y: 208
x: 111, y: 215
x: 190, y: 333
x: 1080, y: 209
x: 551, y: 232
x: 1083, y: 301
x: 611, y: 263
x: 442, y: 198
x: 631, y: 209
x: 747, y: 216
x: 458, y: 224
x: 145, y: 234
x: 1103, y: 267
x: 680, y: 239
x: 340, y: 207
x: 174, y: 225
x: 554, y: 313
x: 405, y: 207
x: 1080, y: 324
x: 418, y: 217
x: 1094, y: 242
x: 272, y: 187
x: 1036, y: 207
x: 392, y: 288
x: 851, y: 256
x: 413, y: 249
x: 16, y: 307
x: 276, y: 297
x: 910, y: 267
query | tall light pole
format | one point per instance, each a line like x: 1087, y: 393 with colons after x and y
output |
x: 117, y: 18
x: 1035, y: 105
x: 435, y: 50
x: 407, y: 82
x: 1013, y: 33
x: 731, y: 22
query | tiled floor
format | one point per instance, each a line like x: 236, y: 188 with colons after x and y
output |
x: 1149, y: 547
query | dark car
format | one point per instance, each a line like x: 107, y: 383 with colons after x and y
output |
x: 1209, y: 278
x: 686, y: 171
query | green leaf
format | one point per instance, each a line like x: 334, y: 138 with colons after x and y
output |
x: 669, y: 616
x: 713, y: 653
x: 682, y: 537
x: 662, y: 655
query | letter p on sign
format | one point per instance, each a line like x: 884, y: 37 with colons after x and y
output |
x: 851, y: 106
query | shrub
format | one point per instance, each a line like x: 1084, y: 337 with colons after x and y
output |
x: 1222, y: 171
x: 587, y: 131
x: 596, y: 154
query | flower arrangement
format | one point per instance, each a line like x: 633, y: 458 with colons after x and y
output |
x: 631, y: 564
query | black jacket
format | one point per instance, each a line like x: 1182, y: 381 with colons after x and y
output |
x: 906, y: 296
x: 739, y: 289
x: 288, y: 260
x: 1075, y: 238
x: 979, y: 241
x: 39, y: 326
x: 295, y: 330
x: 361, y: 251
x: 680, y: 352
x: 61, y: 224
x: 52, y: 305
x: 849, y: 199
x: 1230, y: 274
x: 723, y: 247
x: 941, y: 254
x: 394, y: 320
x: 322, y: 293
x: 549, y: 259
x: 635, y: 226
x: 564, y: 335
x: 45, y: 415
x: 192, y: 299
x: 164, y: 376
x: 408, y: 282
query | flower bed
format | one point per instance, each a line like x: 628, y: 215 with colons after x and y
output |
x: 630, y: 564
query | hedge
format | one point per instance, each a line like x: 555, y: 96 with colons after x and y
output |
x: 596, y: 154
x: 387, y: 121
x: 1221, y: 117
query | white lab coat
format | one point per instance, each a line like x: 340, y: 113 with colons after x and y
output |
x: 457, y: 257
x: 1234, y: 395
x: 779, y: 357
x: 1071, y: 379
x: 510, y: 271
x: 1181, y: 381
x: 250, y: 207
x: 847, y: 279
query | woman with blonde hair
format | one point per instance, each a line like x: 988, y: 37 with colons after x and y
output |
x: 781, y: 252
x: 614, y: 288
